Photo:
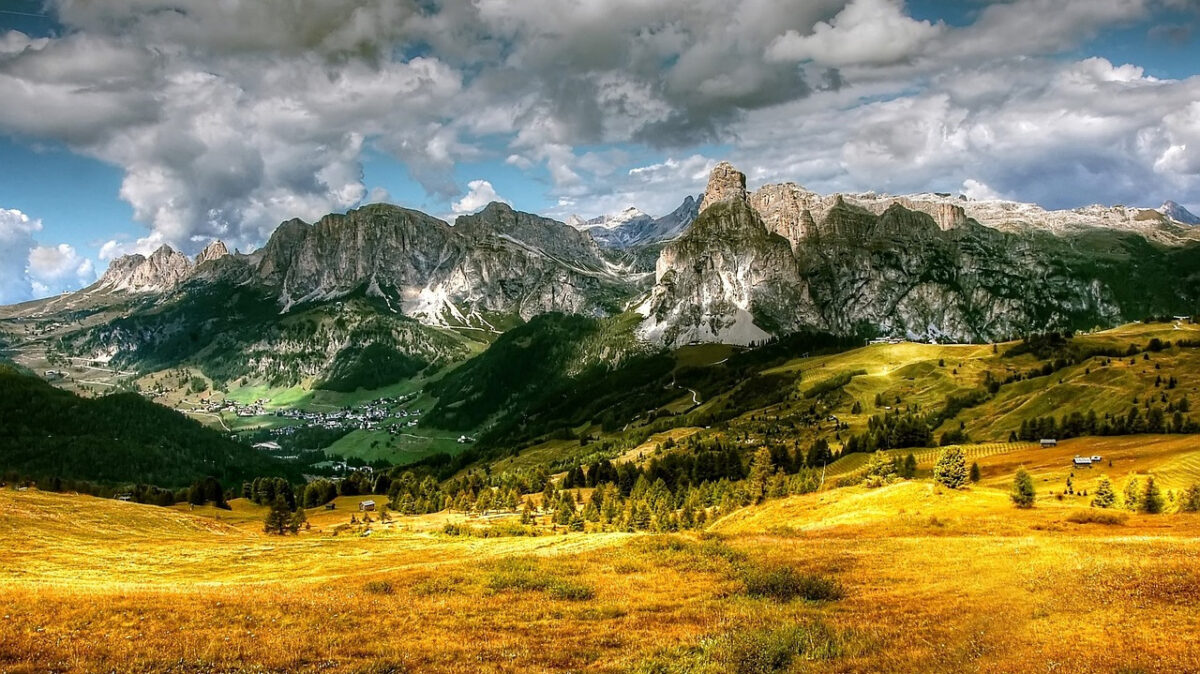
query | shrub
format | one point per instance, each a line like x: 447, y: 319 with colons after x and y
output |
x: 1023, y: 494
x: 1097, y: 517
x: 379, y: 587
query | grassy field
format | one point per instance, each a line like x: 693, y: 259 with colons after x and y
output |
x: 910, y: 577
x: 410, y: 444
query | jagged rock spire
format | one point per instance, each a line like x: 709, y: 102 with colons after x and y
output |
x: 725, y: 183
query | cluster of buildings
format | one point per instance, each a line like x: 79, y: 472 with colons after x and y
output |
x: 366, y: 416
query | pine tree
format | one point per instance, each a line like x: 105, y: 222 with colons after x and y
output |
x: 1105, y: 496
x: 975, y: 471
x: 1152, y: 500
x: 1133, y: 494
x: 278, y: 517
x: 909, y: 469
x: 951, y: 468
x: 1023, y: 494
x: 761, y: 469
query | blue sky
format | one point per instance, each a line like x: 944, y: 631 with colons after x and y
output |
x: 128, y: 124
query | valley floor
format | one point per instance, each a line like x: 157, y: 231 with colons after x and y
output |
x: 932, y: 580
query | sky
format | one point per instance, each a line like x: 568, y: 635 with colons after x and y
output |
x: 128, y: 124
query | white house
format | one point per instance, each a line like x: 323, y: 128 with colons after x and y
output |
x: 1083, y: 461
x: 366, y: 506
x: 1049, y: 442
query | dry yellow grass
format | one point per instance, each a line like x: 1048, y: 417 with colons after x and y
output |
x: 935, y: 581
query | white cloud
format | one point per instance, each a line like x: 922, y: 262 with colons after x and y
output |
x: 230, y: 117
x: 480, y: 193
x: 59, y: 268
x: 28, y: 270
x: 979, y: 191
x: 866, y: 32
x: 16, y: 240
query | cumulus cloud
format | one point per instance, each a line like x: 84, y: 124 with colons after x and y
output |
x: 59, y: 268
x: 29, y: 270
x: 480, y: 193
x: 233, y: 116
x: 866, y: 32
x: 16, y: 240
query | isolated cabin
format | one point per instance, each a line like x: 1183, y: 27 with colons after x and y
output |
x: 330, y: 506
x: 366, y: 506
x: 1049, y: 442
x: 1083, y: 461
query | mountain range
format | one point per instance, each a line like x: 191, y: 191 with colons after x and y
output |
x: 731, y: 266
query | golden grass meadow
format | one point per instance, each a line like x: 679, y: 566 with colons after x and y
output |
x: 910, y: 577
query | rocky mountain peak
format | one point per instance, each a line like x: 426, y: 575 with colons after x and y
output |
x: 165, y: 269
x: 725, y: 183
x: 1179, y: 214
x: 212, y: 251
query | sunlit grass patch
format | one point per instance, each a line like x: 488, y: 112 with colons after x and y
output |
x: 784, y: 583
x: 761, y: 650
x: 528, y: 574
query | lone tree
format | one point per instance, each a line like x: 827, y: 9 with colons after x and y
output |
x: 1152, y: 500
x: 1023, y: 494
x: 278, y: 518
x: 909, y: 469
x: 951, y: 468
x: 1105, y: 496
x: 975, y: 471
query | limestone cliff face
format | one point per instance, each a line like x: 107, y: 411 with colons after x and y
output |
x: 727, y: 279
x: 497, y: 261
x: 786, y: 258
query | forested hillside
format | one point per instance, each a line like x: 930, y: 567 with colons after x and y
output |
x: 120, y: 438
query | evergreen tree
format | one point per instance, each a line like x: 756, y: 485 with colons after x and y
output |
x: 1133, y: 494
x: 761, y: 469
x: 975, y: 471
x: 909, y: 469
x: 1152, y: 500
x: 881, y: 469
x: 278, y: 517
x: 1105, y: 496
x: 951, y: 468
x: 1023, y: 494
